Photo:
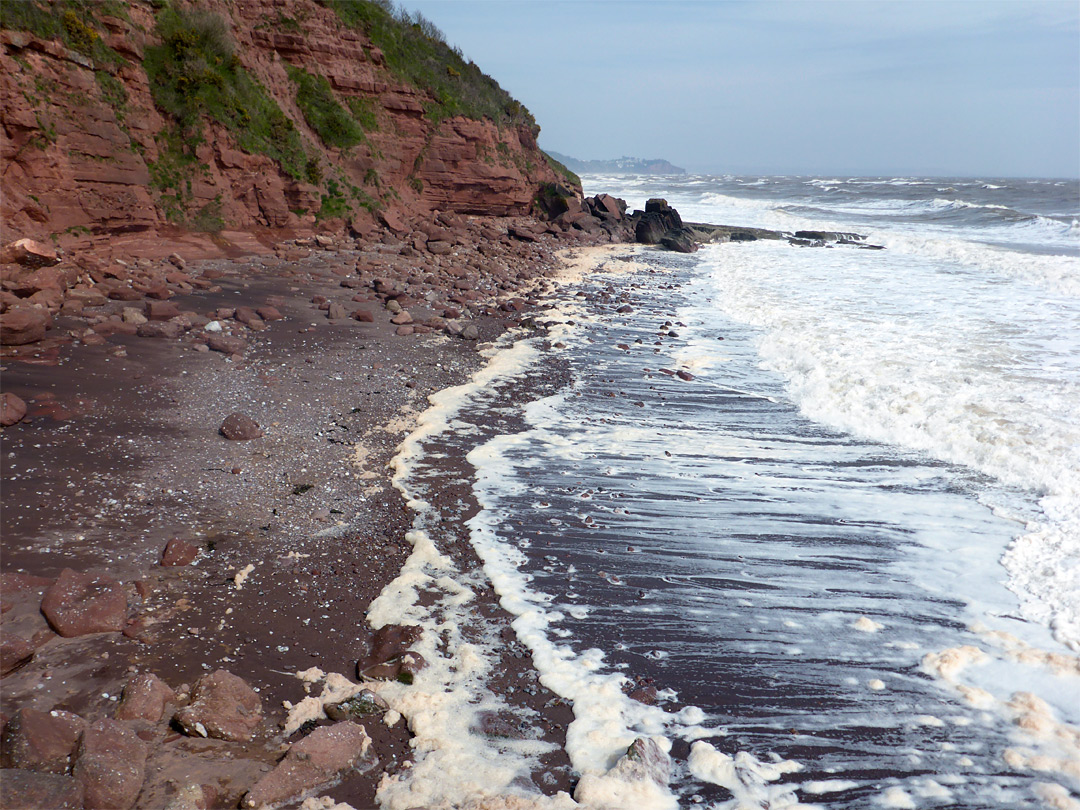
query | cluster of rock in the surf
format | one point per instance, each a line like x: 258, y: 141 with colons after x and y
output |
x: 660, y: 224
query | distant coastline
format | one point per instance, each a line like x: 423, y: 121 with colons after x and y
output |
x: 623, y: 165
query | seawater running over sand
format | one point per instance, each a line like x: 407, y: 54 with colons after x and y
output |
x: 845, y: 550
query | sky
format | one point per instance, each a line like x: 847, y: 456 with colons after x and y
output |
x: 867, y: 87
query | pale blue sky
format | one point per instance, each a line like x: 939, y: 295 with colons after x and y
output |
x: 865, y: 87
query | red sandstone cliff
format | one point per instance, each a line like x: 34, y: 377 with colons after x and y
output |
x: 83, y: 146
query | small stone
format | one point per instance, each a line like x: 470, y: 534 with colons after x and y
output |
x: 227, y: 344
x: 160, y: 310
x: 246, y: 315
x: 360, y: 705
x: 12, y: 409
x: 81, y: 603
x: 644, y: 761
x: 684, y: 375
x: 404, y: 331
x: 336, y: 312
x: 144, y: 629
x: 401, y: 318
x: 179, y: 551
x: 269, y: 313
x: 176, y: 261
x: 470, y: 332
x: 239, y: 427
x: 110, y: 764
x: 125, y: 294
x: 133, y: 315
x: 363, y: 316
x: 160, y: 329
x: 393, y: 306
x: 222, y: 706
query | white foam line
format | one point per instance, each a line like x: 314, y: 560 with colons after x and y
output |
x: 455, y: 767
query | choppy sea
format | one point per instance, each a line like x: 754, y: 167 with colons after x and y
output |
x: 843, y: 546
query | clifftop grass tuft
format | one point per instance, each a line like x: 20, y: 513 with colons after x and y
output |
x: 417, y: 53
x: 195, y: 72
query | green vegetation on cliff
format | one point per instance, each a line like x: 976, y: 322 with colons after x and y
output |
x: 195, y: 72
x: 331, y: 122
x: 417, y: 53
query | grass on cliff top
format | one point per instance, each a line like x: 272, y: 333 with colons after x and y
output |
x: 73, y: 22
x: 195, y: 72
x: 417, y: 53
x: 332, y: 122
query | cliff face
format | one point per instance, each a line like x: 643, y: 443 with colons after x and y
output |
x: 299, y: 122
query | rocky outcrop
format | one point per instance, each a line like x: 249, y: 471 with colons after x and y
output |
x: 655, y: 222
x: 88, y: 156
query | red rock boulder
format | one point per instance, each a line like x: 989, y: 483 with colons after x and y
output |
x: 239, y: 427
x: 22, y: 325
x: 28, y: 253
x: 179, y: 551
x: 12, y: 409
x: 314, y: 762
x: 145, y: 697
x: 110, y: 764
x: 222, y: 706
x: 41, y: 741
x: 80, y: 603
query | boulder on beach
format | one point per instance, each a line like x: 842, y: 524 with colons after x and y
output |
x: 145, y: 697
x: 222, y: 706
x: 41, y: 741
x: 316, y: 761
x: 680, y: 240
x: 24, y: 324
x: 12, y: 409
x: 110, y: 765
x: 81, y: 603
x: 226, y: 344
x: 179, y: 551
x: 239, y: 427
x: 28, y: 253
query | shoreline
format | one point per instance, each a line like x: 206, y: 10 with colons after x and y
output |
x: 153, y: 467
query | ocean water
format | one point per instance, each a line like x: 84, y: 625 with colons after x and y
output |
x: 844, y: 545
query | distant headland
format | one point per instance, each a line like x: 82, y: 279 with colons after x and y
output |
x: 623, y: 165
